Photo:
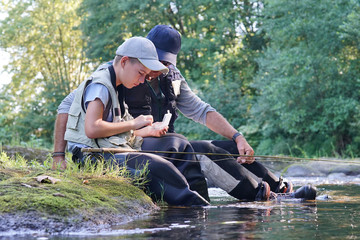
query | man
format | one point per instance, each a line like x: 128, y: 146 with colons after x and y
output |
x: 98, y: 117
x: 172, y: 93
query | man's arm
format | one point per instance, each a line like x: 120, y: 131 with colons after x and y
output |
x: 191, y: 105
x: 59, y: 142
x: 217, y: 123
x: 59, y: 132
x: 194, y: 108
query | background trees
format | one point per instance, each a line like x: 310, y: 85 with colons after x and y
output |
x: 284, y: 72
x: 308, y: 79
x: 47, y: 61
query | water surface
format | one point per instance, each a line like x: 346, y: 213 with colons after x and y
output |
x: 334, y: 215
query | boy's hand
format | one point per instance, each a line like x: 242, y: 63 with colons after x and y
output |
x: 143, y: 120
x: 157, y: 129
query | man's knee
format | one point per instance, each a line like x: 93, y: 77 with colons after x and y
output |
x: 227, y: 145
x: 201, y: 146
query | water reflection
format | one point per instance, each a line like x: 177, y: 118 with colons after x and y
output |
x: 231, y: 221
x: 335, y: 218
x: 204, y: 223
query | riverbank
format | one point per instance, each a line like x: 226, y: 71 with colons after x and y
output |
x: 93, y: 200
x: 34, y: 198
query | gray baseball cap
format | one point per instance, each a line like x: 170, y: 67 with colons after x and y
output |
x: 144, y: 50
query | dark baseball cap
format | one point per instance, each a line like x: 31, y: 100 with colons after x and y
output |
x: 167, y: 42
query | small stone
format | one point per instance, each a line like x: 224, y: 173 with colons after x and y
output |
x: 58, y: 195
x: 47, y: 179
x: 26, y: 185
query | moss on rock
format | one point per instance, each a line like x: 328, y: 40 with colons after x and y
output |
x: 70, y: 203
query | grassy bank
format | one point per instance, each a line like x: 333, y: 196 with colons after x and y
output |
x: 86, y: 197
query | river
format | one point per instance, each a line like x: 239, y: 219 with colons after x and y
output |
x: 334, y: 215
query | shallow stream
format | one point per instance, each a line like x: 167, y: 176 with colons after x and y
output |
x: 334, y: 215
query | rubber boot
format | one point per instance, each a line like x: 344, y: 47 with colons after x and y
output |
x: 284, y: 186
x: 306, y: 192
x: 264, y: 192
x: 246, y: 189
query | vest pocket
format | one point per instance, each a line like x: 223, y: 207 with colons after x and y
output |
x: 117, y: 141
x: 73, y: 121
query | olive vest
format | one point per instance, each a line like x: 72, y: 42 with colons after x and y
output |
x: 75, y: 128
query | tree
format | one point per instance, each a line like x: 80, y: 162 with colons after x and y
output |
x: 308, y: 82
x: 350, y: 33
x: 47, y: 61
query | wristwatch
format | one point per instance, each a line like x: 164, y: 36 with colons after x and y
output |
x: 236, y: 135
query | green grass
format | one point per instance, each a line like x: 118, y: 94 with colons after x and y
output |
x: 86, y: 191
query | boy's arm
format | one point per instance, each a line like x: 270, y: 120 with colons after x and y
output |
x: 96, y: 127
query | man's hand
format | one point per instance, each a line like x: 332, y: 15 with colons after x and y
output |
x: 244, y: 149
x: 217, y: 123
x: 59, y: 162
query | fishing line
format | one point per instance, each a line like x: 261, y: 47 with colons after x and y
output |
x: 257, y: 157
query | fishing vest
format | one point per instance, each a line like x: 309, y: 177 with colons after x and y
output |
x: 154, y: 104
x: 75, y: 128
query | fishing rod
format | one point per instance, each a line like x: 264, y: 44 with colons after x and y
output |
x: 263, y: 157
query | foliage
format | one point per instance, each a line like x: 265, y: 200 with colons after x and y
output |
x: 47, y: 61
x: 286, y: 73
x: 308, y: 78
